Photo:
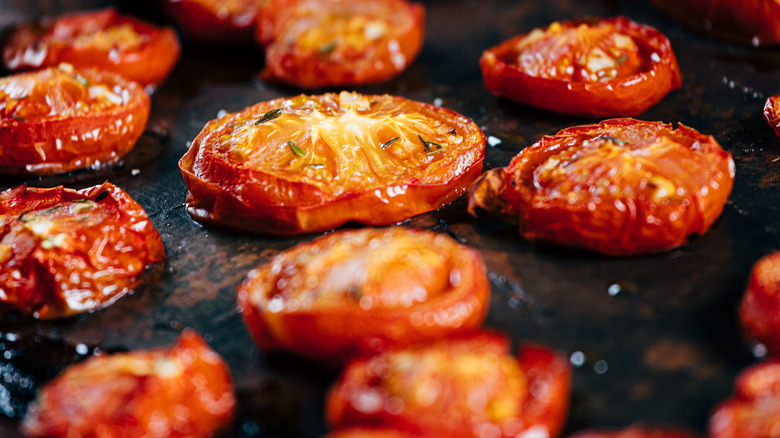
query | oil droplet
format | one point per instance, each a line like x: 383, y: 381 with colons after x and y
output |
x: 577, y: 359
x: 601, y: 367
x: 622, y: 289
x: 759, y: 350
x: 508, y: 141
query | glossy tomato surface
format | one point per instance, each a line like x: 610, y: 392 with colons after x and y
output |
x: 755, y: 22
x: 64, y: 252
x: 356, y: 291
x: 181, y: 391
x: 462, y: 386
x: 215, y: 21
x: 598, y: 68
x: 104, y: 39
x: 772, y: 113
x: 370, y: 432
x: 620, y: 187
x: 62, y: 118
x: 636, y: 432
x: 327, y: 43
x: 759, y: 312
x: 312, y: 163
x: 752, y: 411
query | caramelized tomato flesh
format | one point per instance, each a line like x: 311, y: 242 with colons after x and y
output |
x: 176, y: 392
x: 339, y: 287
x: 456, y: 386
x: 760, y: 309
x: 620, y: 187
x: 64, y: 252
x: 772, y: 113
x: 311, y: 163
x: 636, y: 432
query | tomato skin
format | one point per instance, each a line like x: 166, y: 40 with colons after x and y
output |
x: 59, y: 126
x: 628, y: 95
x: 379, y: 391
x: 370, y: 432
x: 244, y: 175
x: 64, y: 252
x: 355, y: 307
x: 636, y: 432
x: 759, y: 311
x: 70, y: 38
x: 772, y: 113
x: 619, y: 187
x: 205, y: 22
x: 755, y: 22
x: 283, y: 26
x: 752, y: 410
x: 181, y: 391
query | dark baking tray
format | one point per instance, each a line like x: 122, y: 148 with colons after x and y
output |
x: 663, y: 350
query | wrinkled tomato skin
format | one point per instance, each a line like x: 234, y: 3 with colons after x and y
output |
x: 754, y: 22
x: 148, y: 61
x: 353, y: 325
x: 64, y: 252
x: 752, y: 410
x: 449, y: 362
x: 620, y: 187
x: 58, y: 127
x: 636, y: 432
x: 272, y: 190
x: 621, y: 96
x: 772, y: 113
x: 183, y: 391
x: 759, y: 311
x: 203, y: 22
x: 290, y: 62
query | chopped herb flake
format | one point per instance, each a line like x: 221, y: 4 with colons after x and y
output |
x: 424, y: 143
x: 434, y: 152
x: 384, y: 145
x: 19, y: 118
x: 622, y: 59
x: 296, y: 149
x: 613, y: 140
x: 49, y: 210
x: 103, y: 195
x: 327, y: 48
x: 81, y: 79
x: 270, y: 115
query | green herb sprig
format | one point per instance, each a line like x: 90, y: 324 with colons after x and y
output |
x: 270, y: 115
x: 297, y: 150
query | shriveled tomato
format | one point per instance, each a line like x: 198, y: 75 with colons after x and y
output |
x: 760, y: 308
x: 321, y: 43
x: 64, y: 252
x: 772, y: 112
x: 599, y: 68
x: 181, y: 391
x: 752, y: 412
x: 104, y: 39
x: 215, y: 21
x: 357, y: 291
x: 312, y: 163
x: 462, y: 386
x: 623, y: 186
x: 61, y: 118
x: 636, y: 432
x: 755, y: 22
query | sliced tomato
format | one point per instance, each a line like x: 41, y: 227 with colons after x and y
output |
x: 462, y: 386
x: 364, y: 290
x: 61, y: 118
x: 772, y: 113
x: 312, y: 163
x: 64, y: 252
x: 105, y: 39
x: 622, y: 186
x: 599, y: 68
x: 636, y: 432
x: 181, y: 391
x: 755, y: 22
x: 215, y: 21
x: 326, y: 43
x: 760, y: 308
x: 752, y: 411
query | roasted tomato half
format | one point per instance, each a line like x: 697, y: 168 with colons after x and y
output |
x: 364, y: 290
x: 370, y: 432
x: 61, y: 118
x: 183, y: 391
x: 772, y: 113
x: 755, y: 22
x: 64, y: 252
x: 462, y: 386
x: 752, y: 412
x: 312, y: 163
x: 216, y: 21
x: 598, y: 68
x: 321, y: 43
x: 105, y: 40
x: 760, y: 308
x: 636, y: 432
x: 620, y: 187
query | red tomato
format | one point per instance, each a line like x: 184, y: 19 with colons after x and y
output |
x: 760, y: 308
x: 364, y: 290
x: 772, y: 113
x: 184, y: 391
x: 599, y: 68
x: 312, y: 163
x: 752, y: 412
x: 215, y: 21
x: 60, y: 119
x: 756, y: 22
x: 105, y: 40
x: 370, y: 432
x: 465, y: 386
x: 321, y: 43
x: 620, y: 187
x: 64, y: 252
x: 636, y: 432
